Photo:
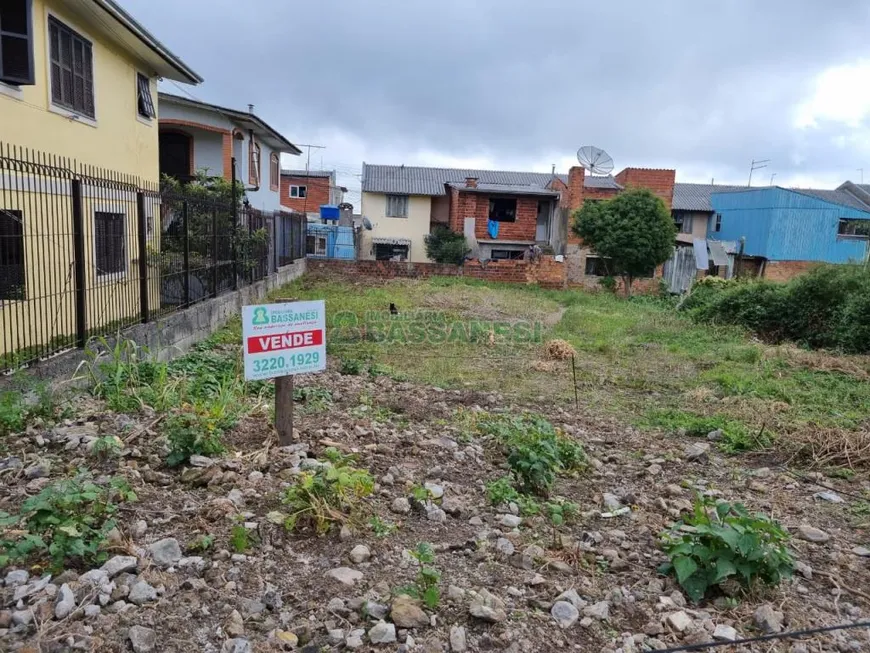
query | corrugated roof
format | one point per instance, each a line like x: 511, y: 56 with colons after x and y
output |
x: 419, y: 180
x: 834, y: 196
x: 696, y: 197
x: 414, y: 180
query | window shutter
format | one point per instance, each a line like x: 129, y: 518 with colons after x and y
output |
x: 16, y: 42
x: 146, y: 102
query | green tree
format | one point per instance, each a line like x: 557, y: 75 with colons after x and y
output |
x: 446, y: 246
x: 634, y: 231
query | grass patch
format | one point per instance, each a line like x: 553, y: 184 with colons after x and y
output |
x: 735, y: 436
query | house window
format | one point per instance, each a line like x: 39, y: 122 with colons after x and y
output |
x: 391, y: 252
x: 856, y: 228
x: 72, y: 69
x: 507, y: 254
x: 718, y: 224
x: 274, y: 171
x: 144, y: 100
x: 397, y: 206
x: 11, y: 255
x: 503, y: 209
x: 683, y: 223
x: 16, y: 43
x: 597, y: 266
x: 110, y: 243
x: 254, y: 163
x: 298, y: 191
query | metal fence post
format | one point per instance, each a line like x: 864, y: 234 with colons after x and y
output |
x: 79, y: 264
x: 185, y: 220
x: 214, y: 253
x: 235, y: 229
x: 143, y: 257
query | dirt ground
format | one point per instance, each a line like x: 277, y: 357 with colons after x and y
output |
x: 277, y: 594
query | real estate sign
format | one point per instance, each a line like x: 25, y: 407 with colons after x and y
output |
x: 284, y: 339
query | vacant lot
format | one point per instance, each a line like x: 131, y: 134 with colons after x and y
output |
x: 638, y: 359
x: 443, y: 492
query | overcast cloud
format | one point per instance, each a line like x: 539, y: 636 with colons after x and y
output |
x: 521, y: 84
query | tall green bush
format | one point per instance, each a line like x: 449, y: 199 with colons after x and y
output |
x: 826, y: 307
x: 446, y: 246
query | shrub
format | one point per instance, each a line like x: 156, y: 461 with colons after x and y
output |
x: 536, y: 451
x: 68, y: 520
x: 425, y: 587
x: 27, y: 400
x: 724, y: 541
x: 351, y: 366
x: 446, y: 246
x: 329, y: 495
x: 197, y: 430
x: 826, y: 307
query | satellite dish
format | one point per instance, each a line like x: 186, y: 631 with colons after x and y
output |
x: 367, y: 223
x: 595, y: 160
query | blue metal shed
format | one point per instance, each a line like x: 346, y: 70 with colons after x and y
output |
x: 782, y: 224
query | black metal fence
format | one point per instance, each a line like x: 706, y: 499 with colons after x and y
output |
x: 87, y: 252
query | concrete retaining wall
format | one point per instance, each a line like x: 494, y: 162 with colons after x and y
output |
x: 171, y: 336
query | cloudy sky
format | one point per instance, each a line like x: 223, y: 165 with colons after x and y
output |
x: 521, y: 84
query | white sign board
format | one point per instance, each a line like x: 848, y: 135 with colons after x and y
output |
x: 284, y: 339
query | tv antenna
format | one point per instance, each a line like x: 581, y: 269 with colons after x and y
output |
x: 595, y: 160
x: 756, y: 165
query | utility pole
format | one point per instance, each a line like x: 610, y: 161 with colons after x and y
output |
x: 756, y: 165
x: 861, y: 170
x: 772, y: 178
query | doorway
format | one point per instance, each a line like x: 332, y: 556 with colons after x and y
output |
x: 176, y: 155
x: 542, y: 227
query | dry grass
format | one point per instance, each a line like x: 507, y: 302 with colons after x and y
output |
x: 560, y: 350
x: 832, y: 447
x: 821, y: 361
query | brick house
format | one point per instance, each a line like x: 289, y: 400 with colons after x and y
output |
x: 306, y: 191
x: 501, y: 213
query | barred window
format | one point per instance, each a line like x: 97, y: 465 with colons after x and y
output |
x: 110, y: 243
x: 11, y: 254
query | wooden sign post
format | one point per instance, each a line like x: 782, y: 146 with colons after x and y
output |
x: 281, y: 340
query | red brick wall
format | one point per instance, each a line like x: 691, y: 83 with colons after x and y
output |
x: 318, y: 193
x: 786, y: 270
x: 660, y: 182
x: 599, y: 193
x: 467, y: 205
x: 547, y: 272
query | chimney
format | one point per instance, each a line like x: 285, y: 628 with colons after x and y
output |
x: 471, y: 182
x: 250, y: 108
x: 576, y: 182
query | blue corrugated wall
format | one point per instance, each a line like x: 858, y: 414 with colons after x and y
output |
x: 339, y: 240
x: 784, y: 225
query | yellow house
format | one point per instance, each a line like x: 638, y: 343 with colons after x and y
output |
x: 79, y: 170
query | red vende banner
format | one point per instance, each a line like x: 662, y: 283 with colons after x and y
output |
x: 283, y: 341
